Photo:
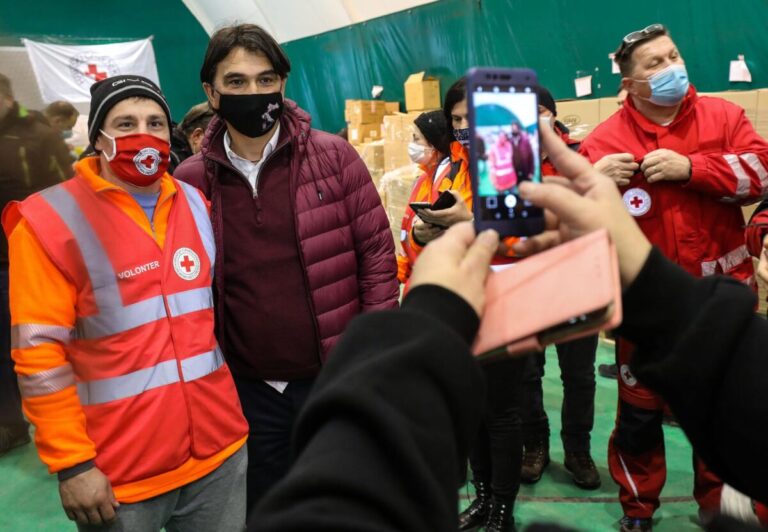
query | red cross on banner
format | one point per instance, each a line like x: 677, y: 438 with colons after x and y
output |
x: 94, y: 73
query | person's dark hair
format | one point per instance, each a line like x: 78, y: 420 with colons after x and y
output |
x: 252, y: 38
x: 455, y: 93
x: 5, y: 86
x: 434, y: 129
x: 624, y: 53
x: 198, y: 116
x: 61, y: 109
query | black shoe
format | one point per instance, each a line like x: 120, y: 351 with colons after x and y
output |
x: 477, y: 512
x: 535, y: 459
x: 501, y: 518
x: 608, y: 371
x: 12, y: 437
x: 635, y: 524
x: 583, y: 469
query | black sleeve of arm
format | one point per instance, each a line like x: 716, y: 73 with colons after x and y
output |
x: 703, y: 348
x: 383, y: 437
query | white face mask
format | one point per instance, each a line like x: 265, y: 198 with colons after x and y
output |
x: 418, y: 153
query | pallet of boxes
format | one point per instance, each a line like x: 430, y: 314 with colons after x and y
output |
x: 421, y: 94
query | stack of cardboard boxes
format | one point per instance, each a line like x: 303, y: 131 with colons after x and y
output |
x: 364, y: 119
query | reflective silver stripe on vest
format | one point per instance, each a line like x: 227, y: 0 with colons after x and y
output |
x: 33, y: 334
x: 193, y: 300
x: 103, y: 278
x: 46, y: 382
x: 202, y: 220
x: 128, y: 385
x: 742, y: 179
x: 201, y: 365
x: 727, y: 262
x: 112, y: 320
x: 754, y: 163
x: 138, y: 382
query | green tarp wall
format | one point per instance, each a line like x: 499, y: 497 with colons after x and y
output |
x: 560, y: 39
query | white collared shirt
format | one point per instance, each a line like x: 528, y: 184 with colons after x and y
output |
x: 250, y: 169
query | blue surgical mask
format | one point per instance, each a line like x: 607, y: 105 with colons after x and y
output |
x: 669, y: 86
x: 462, y: 135
x: 66, y: 134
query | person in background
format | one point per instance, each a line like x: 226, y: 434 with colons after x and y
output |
x: 684, y: 165
x: 430, y: 148
x: 61, y: 116
x: 497, y: 451
x: 32, y: 156
x: 756, y: 235
x: 304, y: 242
x: 193, y: 126
x: 134, y: 407
x: 577, y: 372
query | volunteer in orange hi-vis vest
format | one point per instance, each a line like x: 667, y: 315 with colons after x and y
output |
x: 112, y: 324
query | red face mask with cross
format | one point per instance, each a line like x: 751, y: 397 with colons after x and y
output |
x: 139, y: 159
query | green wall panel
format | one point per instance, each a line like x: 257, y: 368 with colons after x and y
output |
x: 560, y: 39
x: 179, y: 41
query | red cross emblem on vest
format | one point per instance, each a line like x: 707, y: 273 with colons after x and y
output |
x: 186, y: 264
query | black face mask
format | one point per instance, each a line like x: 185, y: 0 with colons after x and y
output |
x: 253, y: 115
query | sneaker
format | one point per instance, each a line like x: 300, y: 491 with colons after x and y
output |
x: 635, y: 524
x: 583, y: 469
x: 608, y: 371
x: 12, y: 437
x: 535, y: 459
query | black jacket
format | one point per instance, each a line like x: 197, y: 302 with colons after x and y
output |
x: 382, y: 437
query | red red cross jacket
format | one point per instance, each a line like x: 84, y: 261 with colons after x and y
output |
x: 697, y: 223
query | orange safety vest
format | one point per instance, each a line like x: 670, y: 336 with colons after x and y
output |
x: 150, y: 376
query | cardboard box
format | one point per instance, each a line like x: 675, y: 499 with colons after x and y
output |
x: 372, y: 154
x: 359, y: 133
x: 421, y: 92
x: 391, y: 108
x: 608, y: 106
x: 747, y: 100
x: 399, y: 127
x: 580, y: 116
x: 761, y: 124
x: 395, y: 155
x: 364, y: 111
x: 395, y: 189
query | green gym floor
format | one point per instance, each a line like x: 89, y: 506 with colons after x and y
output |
x: 29, y: 499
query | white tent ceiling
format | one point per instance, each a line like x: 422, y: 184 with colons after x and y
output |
x: 288, y: 20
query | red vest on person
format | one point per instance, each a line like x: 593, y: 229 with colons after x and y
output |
x: 506, y: 177
x: 150, y: 376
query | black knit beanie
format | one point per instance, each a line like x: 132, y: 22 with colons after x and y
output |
x: 106, y: 93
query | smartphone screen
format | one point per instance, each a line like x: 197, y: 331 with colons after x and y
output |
x: 504, y: 126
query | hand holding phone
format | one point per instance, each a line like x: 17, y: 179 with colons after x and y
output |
x: 446, y: 217
x: 504, y: 125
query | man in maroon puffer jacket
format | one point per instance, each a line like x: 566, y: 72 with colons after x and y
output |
x: 303, y: 241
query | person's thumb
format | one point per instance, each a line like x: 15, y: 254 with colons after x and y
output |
x: 566, y: 204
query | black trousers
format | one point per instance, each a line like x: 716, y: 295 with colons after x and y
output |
x: 10, y: 401
x: 496, y: 456
x: 577, y: 372
x: 271, y: 417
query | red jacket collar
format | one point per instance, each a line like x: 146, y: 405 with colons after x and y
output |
x: 689, y: 102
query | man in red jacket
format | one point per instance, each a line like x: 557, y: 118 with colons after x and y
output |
x: 304, y: 240
x: 684, y: 165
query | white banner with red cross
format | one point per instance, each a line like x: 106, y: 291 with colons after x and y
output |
x: 66, y: 72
